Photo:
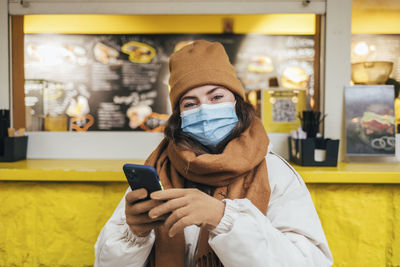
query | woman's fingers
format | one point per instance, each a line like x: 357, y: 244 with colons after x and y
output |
x: 135, y: 195
x: 187, y: 207
x: 167, y: 207
x: 143, y: 219
x: 170, y: 193
x: 181, y: 224
x: 137, y: 216
x: 176, y: 216
x: 144, y: 229
x: 142, y: 207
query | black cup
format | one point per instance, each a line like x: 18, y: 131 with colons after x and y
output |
x: 310, y: 121
x: 310, y: 127
x: 4, y: 122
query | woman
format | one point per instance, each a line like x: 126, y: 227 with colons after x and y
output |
x: 228, y: 199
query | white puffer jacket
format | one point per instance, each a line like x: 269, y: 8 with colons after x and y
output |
x: 289, y: 235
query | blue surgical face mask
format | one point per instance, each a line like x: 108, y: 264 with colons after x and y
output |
x: 210, y: 123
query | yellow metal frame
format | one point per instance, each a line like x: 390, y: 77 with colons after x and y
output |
x: 292, y: 24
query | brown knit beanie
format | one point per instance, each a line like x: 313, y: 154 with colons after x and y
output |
x: 201, y: 63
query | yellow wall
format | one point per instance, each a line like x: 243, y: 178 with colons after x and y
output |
x: 119, y: 24
x: 56, y: 224
x: 361, y: 223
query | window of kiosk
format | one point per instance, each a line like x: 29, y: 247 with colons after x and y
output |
x: 376, y: 40
x: 110, y: 73
x: 373, y: 103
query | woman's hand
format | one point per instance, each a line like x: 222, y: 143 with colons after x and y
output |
x: 187, y: 207
x: 137, y: 212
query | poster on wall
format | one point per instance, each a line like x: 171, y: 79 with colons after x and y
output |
x: 115, y: 82
x: 370, y: 121
x: 281, y: 109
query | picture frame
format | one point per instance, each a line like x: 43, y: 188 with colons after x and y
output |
x: 370, y: 120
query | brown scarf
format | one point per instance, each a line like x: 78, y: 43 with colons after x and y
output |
x: 240, y: 171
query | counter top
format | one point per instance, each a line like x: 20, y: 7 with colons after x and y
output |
x: 111, y: 171
x: 359, y: 173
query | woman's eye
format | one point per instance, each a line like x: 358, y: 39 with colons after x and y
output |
x: 217, y: 97
x: 188, y: 105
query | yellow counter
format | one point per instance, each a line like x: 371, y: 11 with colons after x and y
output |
x: 65, y: 170
x: 111, y: 171
x: 51, y: 211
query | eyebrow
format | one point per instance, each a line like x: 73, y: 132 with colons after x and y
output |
x: 194, y: 97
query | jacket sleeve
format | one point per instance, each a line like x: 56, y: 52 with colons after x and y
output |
x: 289, y: 235
x: 118, y: 246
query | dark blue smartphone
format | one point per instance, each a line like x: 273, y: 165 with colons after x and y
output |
x: 142, y: 176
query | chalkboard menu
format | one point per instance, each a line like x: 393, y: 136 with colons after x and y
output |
x: 120, y: 82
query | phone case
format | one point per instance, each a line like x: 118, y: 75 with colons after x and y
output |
x: 142, y: 176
